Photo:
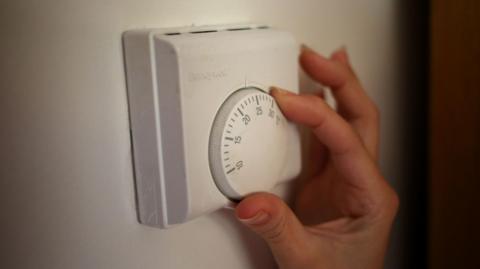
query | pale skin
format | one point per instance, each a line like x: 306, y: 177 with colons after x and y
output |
x: 344, y: 212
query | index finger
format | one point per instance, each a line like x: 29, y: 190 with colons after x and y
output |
x: 345, y: 147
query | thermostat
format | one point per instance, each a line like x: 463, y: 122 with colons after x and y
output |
x: 204, y: 129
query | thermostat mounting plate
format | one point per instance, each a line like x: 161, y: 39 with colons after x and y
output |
x: 183, y: 85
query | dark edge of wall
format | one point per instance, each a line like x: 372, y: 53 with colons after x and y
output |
x: 414, y: 32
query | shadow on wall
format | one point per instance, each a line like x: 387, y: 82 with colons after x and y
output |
x: 259, y: 257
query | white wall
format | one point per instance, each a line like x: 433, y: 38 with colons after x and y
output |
x: 67, y: 193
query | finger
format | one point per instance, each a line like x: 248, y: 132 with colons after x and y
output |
x: 322, y: 69
x: 341, y: 56
x: 345, y: 147
x: 316, y: 150
x: 352, y: 101
x: 268, y: 216
x: 310, y: 110
x: 369, y: 108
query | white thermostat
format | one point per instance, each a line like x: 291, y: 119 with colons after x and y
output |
x: 204, y: 129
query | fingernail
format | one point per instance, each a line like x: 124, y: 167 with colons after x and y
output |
x: 343, y: 50
x: 306, y: 48
x: 260, y: 218
x: 279, y: 91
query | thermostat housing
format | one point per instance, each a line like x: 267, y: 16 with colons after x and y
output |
x: 178, y: 80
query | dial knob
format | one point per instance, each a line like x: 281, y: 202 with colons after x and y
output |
x: 248, y: 143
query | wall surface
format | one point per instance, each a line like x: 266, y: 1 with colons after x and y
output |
x: 67, y: 193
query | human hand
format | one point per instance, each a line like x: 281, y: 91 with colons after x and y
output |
x: 345, y: 211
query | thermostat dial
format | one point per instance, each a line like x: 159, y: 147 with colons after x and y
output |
x: 248, y: 143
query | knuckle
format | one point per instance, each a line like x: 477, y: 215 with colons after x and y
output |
x: 394, y: 201
x: 385, y: 206
x: 317, y: 100
x: 320, y: 111
x: 391, y: 203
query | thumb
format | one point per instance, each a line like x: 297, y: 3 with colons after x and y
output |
x: 268, y: 216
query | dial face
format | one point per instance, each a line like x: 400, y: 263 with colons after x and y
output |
x: 247, y: 149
